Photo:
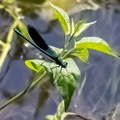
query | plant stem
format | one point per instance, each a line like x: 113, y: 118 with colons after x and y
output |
x: 67, y: 53
x: 1, y: 43
x: 24, y: 91
x: 7, y: 46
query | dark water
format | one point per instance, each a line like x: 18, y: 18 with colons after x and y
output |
x: 100, y: 94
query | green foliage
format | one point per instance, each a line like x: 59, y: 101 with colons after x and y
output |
x: 82, y: 54
x: 81, y: 27
x: 34, y: 64
x: 96, y: 44
x: 59, y: 114
x: 65, y: 80
x: 62, y: 17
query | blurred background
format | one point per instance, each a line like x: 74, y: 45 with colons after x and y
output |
x: 99, y: 96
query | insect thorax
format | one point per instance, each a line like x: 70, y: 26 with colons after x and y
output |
x: 60, y: 62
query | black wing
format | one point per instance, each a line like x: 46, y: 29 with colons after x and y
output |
x: 36, y: 37
x: 41, y: 45
x: 39, y: 41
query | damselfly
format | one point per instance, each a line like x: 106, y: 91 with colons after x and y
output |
x: 41, y: 45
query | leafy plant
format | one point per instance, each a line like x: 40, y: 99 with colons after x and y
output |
x: 59, y: 115
x: 65, y: 80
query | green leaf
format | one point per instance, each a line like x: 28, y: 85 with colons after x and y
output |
x: 81, y: 27
x: 82, y: 54
x: 34, y: 64
x: 96, y: 44
x: 62, y: 17
x: 66, y: 80
x: 58, y: 114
